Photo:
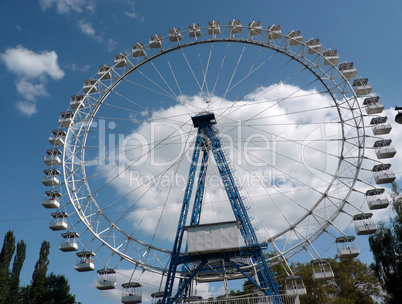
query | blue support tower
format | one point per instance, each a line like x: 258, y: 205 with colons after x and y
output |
x: 207, y: 141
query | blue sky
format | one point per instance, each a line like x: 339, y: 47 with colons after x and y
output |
x: 48, y: 47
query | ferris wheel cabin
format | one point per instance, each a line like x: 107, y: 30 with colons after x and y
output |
x: 331, y: 57
x: 77, y: 101
x: 105, y: 72
x: 314, y: 46
x: 274, y: 32
x: 361, y: 86
x: 175, y: 35
x: 57, y: 138
x: 90, y: 86
x: 380, y: 125
x: 131, y: 293
x: 138, y: 50
x: 376, y: 199
x: 52, y: 157
x: 384, y: 149
x: 69, y: 241
x: 120, y: 60
x: 58, y: 221
x: 346, y: 247
x: 106, y: 279
x: 85, y: 261
x: 383, y: 174
x: 295, y: 38
x: 322, y: 270
x: 373, y: 105
x: 51, y: 177
x: 66, y: 119
x: 51, y: 199
x: 364, y: 224
x: 348, y: 70
x: 294, y: 286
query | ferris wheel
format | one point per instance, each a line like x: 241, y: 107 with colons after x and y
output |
x: 213, y: 153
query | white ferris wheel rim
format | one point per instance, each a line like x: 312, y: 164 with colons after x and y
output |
x: 327, y: 73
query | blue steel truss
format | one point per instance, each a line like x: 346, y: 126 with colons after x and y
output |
x: 207, y: 141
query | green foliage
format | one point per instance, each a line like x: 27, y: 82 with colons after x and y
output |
x: 52, y: 289
x: 14, y: 283
x: 38, y: 284
x: 58, y: 290
x: 6, y: 255
x: 386, y: 246
x: 354, y: 282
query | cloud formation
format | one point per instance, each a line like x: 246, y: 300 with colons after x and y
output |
x: 32, y: 71
x: 67, y: 6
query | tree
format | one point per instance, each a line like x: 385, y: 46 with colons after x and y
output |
x: 58, y: 290
x: 14, y: 283
x: 6, y: 255
x: 354, y: 283
x: 36, y: 292
x: 386, y: 246
x: 44, y: 289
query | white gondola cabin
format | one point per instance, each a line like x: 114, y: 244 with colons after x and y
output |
x: 384, y: 149
x: 364, y: 224
x: 346, y: 247
x: 380, y: 125
x: 274, y: 32
x: 347, y: 69
x: 255, y: 28
x: 175, y: 35
x: 105, y: 72
x: 57, y: 138
x: 106, y: 279
x: 214, y: 28
x: 194, y: 30
x: 383, y: 174
x: 120, y: 60
x: 131, y: 293
x: 138, y: 49
x: 295, y: 37
x: 51, y: 199
x: 314, y: 46
x: 52, y: 157
x: 331, y: 57
x: 51, y: 177
x: 90, y: 86
x: 66, y: 119
x: 376, y: 199
x: 155, y: 42
x: 157, y: 297
x: 373, y: 105
x: 85, y: 261
x: 69, y: 241
x: 361, y: 86
x: 58, y: 221
x: 77, y: 101
x: 321, y: 269
x: 235, y: 27
x: 294, y: 286
x: 192, y: 299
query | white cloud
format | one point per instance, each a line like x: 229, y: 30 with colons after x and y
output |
x: 86, y: 28
x: 28, y: 64
x: 26, y: 108
x: 31, y: 91
x: 67, y: 6
x: 32, y: 71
